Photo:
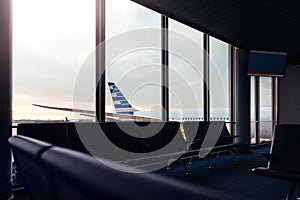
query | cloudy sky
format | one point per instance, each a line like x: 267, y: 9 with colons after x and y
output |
x: 54, y: 39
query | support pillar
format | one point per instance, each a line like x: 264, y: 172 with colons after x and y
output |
x: 6, y: 97
x: 100, y: 60
x: 243, y: 100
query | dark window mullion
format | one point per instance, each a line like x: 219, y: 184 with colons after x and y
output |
x: 100, y: 60
x: 206, y: 106
x: 165, y: 68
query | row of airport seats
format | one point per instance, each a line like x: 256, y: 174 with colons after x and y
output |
x: 51, y: 172
x: 211, y: 137
x: 156, y: 141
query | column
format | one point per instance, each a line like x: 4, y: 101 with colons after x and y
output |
x: 6, y: 97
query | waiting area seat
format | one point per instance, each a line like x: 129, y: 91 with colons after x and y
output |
x: 144, y: 137
x: 26, y: 152
x: 144, y: 140
x: 74, y: 175
x: 147, y: 142
x: 58, y: 134
x: 284, y: 162
x: 208, y: 138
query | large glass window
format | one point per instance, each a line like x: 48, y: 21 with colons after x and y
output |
x: 261, y: 109
x: 133, y: 59
x: 185, y: 72
x: 266, y: 121
x: 51, y: 41
x: 219, y: 80
x: 253, y: 111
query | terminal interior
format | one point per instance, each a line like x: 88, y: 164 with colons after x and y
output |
x: 139, y: 99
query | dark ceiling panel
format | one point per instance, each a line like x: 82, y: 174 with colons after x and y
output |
x: 256, y: 24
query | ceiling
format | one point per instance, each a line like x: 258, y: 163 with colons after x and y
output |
x: 250, y: 24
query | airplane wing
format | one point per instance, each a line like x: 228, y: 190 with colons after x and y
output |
x: 109, y: 116
x: 90, y: 112
x: 124, y: 110
x: 87, y: 115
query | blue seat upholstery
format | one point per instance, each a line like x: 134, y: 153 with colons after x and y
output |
x: 80, y: 176
x: 26, y: 153
x: 60, y: 173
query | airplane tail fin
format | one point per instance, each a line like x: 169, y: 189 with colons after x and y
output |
x: 121, y: 104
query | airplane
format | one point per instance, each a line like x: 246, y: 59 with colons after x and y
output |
x: 124, y: 111
x: 122, y: 106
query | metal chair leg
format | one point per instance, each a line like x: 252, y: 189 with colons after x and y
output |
x: 291, y: 191
x: 191, y: 161
x: 187, y: 170
x: 210, y: 164
x: 169, y: 163
x: 236, y: 157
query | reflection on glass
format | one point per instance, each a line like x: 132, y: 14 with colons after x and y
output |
x: 49, y: 47
x: 219, y: 81
x: 132, y: 61
x: 185, y: 72
x: 266, y: 123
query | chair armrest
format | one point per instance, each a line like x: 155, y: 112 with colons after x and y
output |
x: 231, y: 136
x: 195, y: 141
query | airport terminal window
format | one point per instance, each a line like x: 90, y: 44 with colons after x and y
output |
x: 262, y: 106
x: 219, y: 80
x: 136, y: 72
x: 185, y: 72
x: 49, y: 48
x: 266, y: 121
x: 253, y: 111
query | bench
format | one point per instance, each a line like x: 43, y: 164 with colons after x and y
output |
x: 58, y: 134
x: 207, y: 138
x: 143, y: 140
x: 26, y: 152
x: 70, y: 174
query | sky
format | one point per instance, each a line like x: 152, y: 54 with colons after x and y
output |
x: 51, y: 40
x: 54, y: 40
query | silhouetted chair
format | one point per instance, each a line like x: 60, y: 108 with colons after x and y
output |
x: 143, y: 137
x: 284, y: 162
x: 194, y: 132
x: 60, y: 173
x: 226, y: 142
x: 80, y: 176
x: 73, y: 138
x: 59, y: 134
x: 137, y: 137
x: 53, y: 133
x: 145, y: 143
x: 26, y: 153
x: 206, y: 138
